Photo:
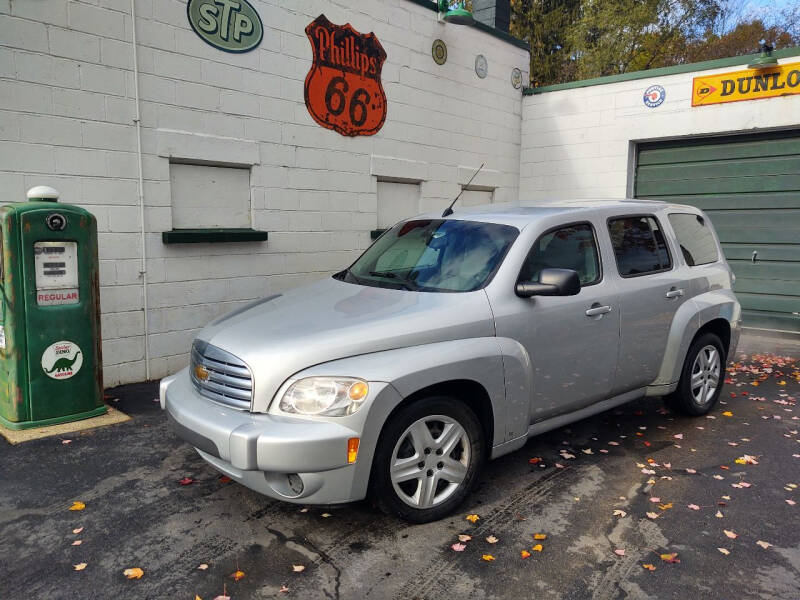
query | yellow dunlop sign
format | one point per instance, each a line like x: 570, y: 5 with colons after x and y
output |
x: 752, y: 84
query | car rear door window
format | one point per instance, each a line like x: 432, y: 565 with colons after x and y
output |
x: 639, y: 246
x: 571, y: 247
x: 695, y: 238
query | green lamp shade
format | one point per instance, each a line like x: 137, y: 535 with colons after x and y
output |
x: 459, y: 16
x: 764, y: 61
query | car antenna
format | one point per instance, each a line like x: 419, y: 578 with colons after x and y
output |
x: 449, y: 210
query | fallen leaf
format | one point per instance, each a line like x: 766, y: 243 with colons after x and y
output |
x: 186, y: 481
x: 202, y: 567
x: 326, y: 515
x: 691, y: 471
x: 730, y: 534
x: 524, y: 554
x: 487, y: 557
x: 587, y: 451
x: 678, y: 436
x: 727, y: 413
x: 649, y: 567
x: 719, y: 477
x: 224, y: 479
x: 666, y: 506
x: 560, y: 466
x: 464, y: 537
x: 237, y: 575
x: 791, y: 502
x: 764, y: 545
x: 725, y: 551
x: 79, y: 566
x: 222, y: 597
x: 472, y: 518
x: 458, y: 547
x: 620, y: 513
x: 77, y: 531
x: 133, y: 573
x: 693, y: 506
x: 538, y: 548
x: 283, y: 589
x: 77, y: 505
x: 655, y: 500
x: 719, y: 514
x: 652, y: 515
x: 540, y: 536
x: 77, y: 542
x: 492, y: 540
x: 535, y: 461
x: 619, y: 552
x: 672, y: 557
x: 298, y: 568
x: 65, y: 442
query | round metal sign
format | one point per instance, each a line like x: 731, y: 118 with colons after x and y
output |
x: 439, y: 52
x: 232, y: 26
x: 516, y: 78
x: 56, y: 221
x: 481, y: 66
x: 62, y: 360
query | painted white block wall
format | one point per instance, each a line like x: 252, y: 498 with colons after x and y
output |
x: 579, y: 143
x: 66, y: 120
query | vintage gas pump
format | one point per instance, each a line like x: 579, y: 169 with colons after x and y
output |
x: 50, y: 357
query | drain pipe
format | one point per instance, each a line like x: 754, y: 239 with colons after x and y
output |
x: 138, y: 121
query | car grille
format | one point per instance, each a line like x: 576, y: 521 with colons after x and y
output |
x: 229, y: 381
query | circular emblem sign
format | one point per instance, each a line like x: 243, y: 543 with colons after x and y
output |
x: 516, y: 78
x: 62, y: 360
x: 229, y: 25
x: 439, y: 52
x: 654, y: 96
x: 481, y: 66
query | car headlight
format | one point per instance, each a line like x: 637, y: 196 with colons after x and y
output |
x: 326, y: 396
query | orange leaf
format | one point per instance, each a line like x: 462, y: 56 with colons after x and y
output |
x: 649, y: 567
x: 77, y: 531
x: 524, y: 554
x: 538, y: 548
x: 730, y: 534
x: 472, y: 518
x: 77, y: 505
x: 727, y: 413
x: 79, y: 566
x: 672, y: 557
x: 487, y: 557
x: 237, y: 575
x: 133, y: 573
x: 539, y: 536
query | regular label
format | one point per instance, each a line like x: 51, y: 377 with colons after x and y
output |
x: 62, y: 360
x: 51, y: 297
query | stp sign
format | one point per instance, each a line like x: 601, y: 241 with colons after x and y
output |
x: 343, y: 89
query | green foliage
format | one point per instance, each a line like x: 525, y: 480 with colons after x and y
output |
x: 581, y: 39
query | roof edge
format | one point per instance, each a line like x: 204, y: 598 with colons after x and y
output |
x: 660, y: 72
x: 494, y: 32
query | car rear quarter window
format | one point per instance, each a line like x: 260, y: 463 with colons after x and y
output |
x: 695, y: 238
x: 639, y: 245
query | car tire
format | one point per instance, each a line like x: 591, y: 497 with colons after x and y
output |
x: 422, y: 477
x: 702, y: 377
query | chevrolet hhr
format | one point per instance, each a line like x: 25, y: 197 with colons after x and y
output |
x: 452, y: 340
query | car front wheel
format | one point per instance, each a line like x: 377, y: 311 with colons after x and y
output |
x: 427, y: 460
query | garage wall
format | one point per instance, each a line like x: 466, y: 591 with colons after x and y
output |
x: 66, y: 120
x: 576, y: 142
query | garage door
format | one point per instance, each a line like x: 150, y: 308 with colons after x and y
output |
x: 750, y: 186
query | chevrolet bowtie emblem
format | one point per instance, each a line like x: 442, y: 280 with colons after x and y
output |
x: 201, y: 373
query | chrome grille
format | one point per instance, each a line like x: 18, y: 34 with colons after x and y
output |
x: 229, y: 381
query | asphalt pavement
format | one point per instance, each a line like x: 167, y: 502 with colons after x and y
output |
x: 634, y: 503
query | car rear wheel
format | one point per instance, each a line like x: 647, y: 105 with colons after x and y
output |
x: 427, y: 459
x: 702, y: 377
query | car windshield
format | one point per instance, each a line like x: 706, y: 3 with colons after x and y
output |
x: 433, y: 255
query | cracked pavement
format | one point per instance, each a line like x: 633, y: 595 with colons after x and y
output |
x: 137, y: 515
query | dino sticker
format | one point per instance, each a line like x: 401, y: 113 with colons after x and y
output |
x: 62, y: 360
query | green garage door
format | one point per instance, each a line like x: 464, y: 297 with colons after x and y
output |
x: 750, y: 187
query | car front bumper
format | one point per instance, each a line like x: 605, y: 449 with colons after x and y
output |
x: 269, y: 453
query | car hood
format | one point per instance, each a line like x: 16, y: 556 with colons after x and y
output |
x: 331, y: 319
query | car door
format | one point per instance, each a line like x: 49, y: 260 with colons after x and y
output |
x: 571, y: 340
x: 651, y: 290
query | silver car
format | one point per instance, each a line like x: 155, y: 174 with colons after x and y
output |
x: 452, y: 340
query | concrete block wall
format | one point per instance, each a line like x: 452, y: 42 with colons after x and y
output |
x: 67, y: 119
x: 580, y: 143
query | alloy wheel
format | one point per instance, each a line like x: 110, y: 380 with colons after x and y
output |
x: 705, y: 374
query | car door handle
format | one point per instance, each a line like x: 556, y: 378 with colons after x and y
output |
x: 597, y: 310
x: 674, y: 293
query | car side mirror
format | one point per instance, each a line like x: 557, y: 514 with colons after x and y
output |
x: 552, y: 282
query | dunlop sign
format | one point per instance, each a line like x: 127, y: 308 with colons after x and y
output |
x: 230, y: 25
x: 746, y: 85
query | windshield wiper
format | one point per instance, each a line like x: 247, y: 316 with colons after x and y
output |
x: 406, y: 283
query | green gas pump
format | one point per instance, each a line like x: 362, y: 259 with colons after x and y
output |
x: 50, y: 356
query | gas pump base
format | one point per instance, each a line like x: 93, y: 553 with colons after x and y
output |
x: 17, y: 425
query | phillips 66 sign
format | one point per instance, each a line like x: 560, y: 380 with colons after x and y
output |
x: 343, y: 89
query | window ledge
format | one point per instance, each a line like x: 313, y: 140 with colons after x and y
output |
x: 213, y: 236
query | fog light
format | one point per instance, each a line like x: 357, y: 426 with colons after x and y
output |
x: 352, y: 450
x: 295, y: 483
